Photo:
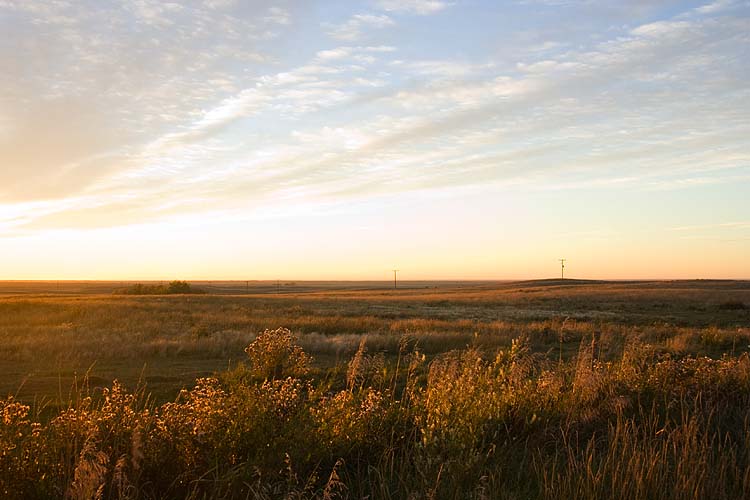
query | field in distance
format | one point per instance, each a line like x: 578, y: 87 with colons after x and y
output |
x: 231, y: 287
x: 52, y: 333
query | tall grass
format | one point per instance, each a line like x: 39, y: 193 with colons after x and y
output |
x: 471, y: 423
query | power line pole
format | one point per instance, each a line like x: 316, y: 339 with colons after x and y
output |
x: 562, y: 268
x: 395, y: 286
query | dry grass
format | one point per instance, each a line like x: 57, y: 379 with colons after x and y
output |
x: 466, y: 425
x: 170, y: 340
x: 590, y: 391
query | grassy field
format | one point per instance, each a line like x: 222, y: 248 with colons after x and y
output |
x: 539, y: 389
x: 52, y: 333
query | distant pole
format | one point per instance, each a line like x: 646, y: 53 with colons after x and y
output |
x: 278, y: 287
x: 247, y: 286
x: 395, y: 283
x: 562, y: 268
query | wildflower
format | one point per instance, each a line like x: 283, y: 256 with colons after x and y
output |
x: 275, y: 354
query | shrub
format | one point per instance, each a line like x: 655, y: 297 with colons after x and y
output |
x: 275, y: 354
x: 173, y: 288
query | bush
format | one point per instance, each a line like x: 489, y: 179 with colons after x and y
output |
x: 275, y: 354
x: 173, y: 288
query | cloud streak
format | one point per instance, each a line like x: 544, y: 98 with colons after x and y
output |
x: 421, y: 7
x: 359, y: 24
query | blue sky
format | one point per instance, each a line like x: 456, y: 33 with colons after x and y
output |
x: 337, y: 139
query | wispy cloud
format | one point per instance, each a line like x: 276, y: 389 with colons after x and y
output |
x: 716, y: 6
x: 422, y: 7
x: 356, y: 26
x: 278, y: 15
x: 721, y: 225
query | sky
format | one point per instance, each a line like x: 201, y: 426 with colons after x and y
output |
x: 325, y: 139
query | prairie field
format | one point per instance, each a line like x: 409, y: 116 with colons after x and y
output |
x: 370, y: 142
x: 536, y: 389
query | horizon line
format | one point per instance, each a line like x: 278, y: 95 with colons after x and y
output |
x: 308, y: 280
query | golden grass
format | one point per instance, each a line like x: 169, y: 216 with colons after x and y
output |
x: 170, y: 340
x: 466, y: 425
x: 586, y: 391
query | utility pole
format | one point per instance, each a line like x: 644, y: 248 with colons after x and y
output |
x: 395, y: 286
x: 562, y: 268
x: 278, y: 287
